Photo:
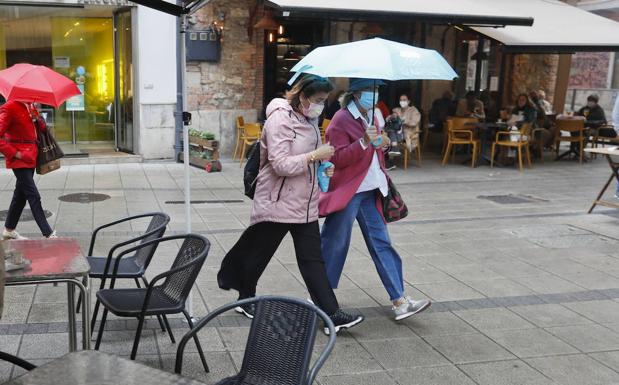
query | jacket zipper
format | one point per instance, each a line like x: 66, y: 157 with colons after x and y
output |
x: 280, y: 189
x: 313, y: 176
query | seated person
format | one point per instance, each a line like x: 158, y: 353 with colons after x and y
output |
x: 524, y: 112
x: 393, y: 128
x: 442, y: 108
x: 471, y: 107
x: 593, y: 112
x: 410, y: 117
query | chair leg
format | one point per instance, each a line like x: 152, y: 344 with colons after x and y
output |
x: 79, y: 303
x: 528, y: 153
x: 474, y: 155
x: 405, y: 150
x: 242, y: 155
x: 167, y: 324
x: 492, y: 155
x: 419, y: 156
x: 520, y: 158
x: 101, y: 328
x: 197, y: 341
x: 236, y: 148
x: 94, y: 318
x: 138, y: 335
x: 541, y: 152
x: 446, y: 156
x: 582, y: 150
x: 145, y: 281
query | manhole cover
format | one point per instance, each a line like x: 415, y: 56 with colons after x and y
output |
x: 511, y: 199
x: 84, y: 198
x: 26, y: 215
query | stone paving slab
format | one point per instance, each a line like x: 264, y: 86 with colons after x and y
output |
x: 524, y: 293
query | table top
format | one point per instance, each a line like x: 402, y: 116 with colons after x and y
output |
x: 51, y: 259
x: 604, y: 150
x: 91, y: 367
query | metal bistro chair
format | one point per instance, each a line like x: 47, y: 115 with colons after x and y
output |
x: 459, y: 132
x: 514, y: 139
x: 576, y: 130
x: 250, y: 134
x: 280, y: 343
x: 129, y: 266
x: 166, y: 293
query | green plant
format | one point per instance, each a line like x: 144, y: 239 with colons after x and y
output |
x: 207, y: 135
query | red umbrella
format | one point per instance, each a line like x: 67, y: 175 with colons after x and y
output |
x: 33, y: 83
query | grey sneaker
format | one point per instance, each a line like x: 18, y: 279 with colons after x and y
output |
x: 11, y: 235
x: 410, y: 307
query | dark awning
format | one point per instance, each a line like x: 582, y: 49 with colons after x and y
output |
x: 558, y: 28
x: 469, y: 12
x: 189, y: 6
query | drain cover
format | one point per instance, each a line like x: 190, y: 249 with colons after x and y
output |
x: 26, y: 215
x: 511, y: 199
x: 84, y: 198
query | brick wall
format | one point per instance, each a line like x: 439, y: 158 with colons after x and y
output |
x: 529, y: 72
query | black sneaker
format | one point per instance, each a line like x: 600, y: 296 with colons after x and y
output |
x: 247, y: 310
x: 343, y: 320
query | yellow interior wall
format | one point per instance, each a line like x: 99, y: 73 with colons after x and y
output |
x: 2, y: 48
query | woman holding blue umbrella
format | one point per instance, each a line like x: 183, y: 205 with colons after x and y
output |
x: 356, y: 191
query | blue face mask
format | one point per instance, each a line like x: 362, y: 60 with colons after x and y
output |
x: 367, y: 99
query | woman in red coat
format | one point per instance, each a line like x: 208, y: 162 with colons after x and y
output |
x: 18, y: 144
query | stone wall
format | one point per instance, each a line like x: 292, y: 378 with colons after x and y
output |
x: 531, y: 72
x: 219, y: 92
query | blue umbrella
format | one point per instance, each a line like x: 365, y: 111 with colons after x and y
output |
x: 375, y: 59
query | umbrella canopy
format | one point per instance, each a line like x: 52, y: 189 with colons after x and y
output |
x: 34, y: 83
x: 375, y: 59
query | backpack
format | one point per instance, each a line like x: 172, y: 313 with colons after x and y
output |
x: 252, y: 167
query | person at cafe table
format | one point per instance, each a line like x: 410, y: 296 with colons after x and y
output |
x: 18, y: 144
x: 471, y: 107
x: 593, y: 113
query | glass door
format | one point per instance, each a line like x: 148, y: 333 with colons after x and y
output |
x: 124, y: 81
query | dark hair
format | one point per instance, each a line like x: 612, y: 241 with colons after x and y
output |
x: 405, y: 94
x: 308, y: 85
x: 471, y: 94
x: 527, y: 98
x: 593, y: 98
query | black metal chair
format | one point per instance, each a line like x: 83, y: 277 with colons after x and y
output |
x: 16, y: 361
x: 280, y: 343
x: 129, y: 266
x: 166, y: 293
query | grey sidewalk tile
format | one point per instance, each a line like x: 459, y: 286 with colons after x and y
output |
x: 350, y: 358
x: 220, y: 364
x: 494, y: 319
x: 466, y: 348
x: 513, y: 372
x: 374, y: 378
x: 37, y: 328
x: 121, y: 342
x: 503, y: 287
x: 610, y: 359
x: 448, y: 291
x: 380, y: 329
x: 598, y: 311
x: 51, y: 345
x: 574, y: 370
x: 404, y: 353
x: 10, y: 343
x: 530, y: 343
x: 588, y: 338
x: 443, y: 323
x: 548, y: 315
x: 438, y: 375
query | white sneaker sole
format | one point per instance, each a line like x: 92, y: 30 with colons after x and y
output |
x: 240, y: 310
x: 357, y: 321
x: 410, y: 313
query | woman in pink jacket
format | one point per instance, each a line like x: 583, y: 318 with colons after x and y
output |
x: 355, y: 193
x: 286, y: 201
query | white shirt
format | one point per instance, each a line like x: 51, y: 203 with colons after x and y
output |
x: 375, y: 178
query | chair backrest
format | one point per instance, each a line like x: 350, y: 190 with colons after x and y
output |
x: 252, y: 130
x: 280, y: 343
x: 570, y: 125
x: 157, y: 226
x: 525, y: 129
x: 460, y: 123
x: 178, y: 284
x: 240, y: 122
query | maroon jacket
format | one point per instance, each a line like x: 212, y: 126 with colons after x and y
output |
x: 17, y: 133
x: 351, y: 161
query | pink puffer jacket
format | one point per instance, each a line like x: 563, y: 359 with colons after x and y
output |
x: 287, y: 190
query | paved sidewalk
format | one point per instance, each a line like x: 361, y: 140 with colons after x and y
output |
x: 525, y: 283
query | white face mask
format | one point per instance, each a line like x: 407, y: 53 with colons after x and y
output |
x: 313, y: 111
x: 403, y: 104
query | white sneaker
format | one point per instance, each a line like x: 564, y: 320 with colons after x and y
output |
x: 12, y: 235
x: 52, y: 235
x: 410, y: 307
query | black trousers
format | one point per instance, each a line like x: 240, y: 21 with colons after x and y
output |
x: 246, y: 261
x: 26, y: 191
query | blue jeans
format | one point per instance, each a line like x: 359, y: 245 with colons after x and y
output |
x: 335, y: 239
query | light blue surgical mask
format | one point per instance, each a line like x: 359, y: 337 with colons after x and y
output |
x: 367, y: 99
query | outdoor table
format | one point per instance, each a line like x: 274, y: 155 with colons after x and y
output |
x: 91, y: 367
x: 614, y: 166
x: 486, y: 132
x: 58, y: 260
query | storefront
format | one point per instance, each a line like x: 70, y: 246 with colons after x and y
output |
x: 92, y: 46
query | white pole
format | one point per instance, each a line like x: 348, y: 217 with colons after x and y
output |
x: 187, y: 170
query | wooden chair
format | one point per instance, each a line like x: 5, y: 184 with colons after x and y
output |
x: 418, y: 150
x: 521, y: 140
x: 570, y: 126
x: 250, y: 134
x: 240, y: 129
x: 323, y: 128
x: 603, y: 140
x: 459, y: 132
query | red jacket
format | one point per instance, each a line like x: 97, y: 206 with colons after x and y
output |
x: 351, y: 161
x: 17, y: 133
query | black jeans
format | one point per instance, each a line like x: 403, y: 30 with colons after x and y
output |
x: 246, y: 261
x: 26, y: 190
